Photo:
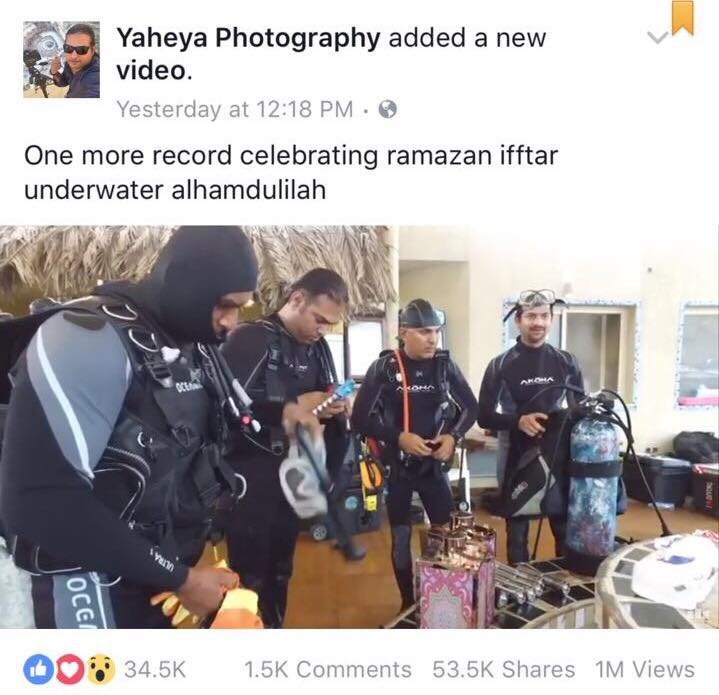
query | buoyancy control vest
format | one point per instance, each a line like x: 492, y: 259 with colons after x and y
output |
x: 538, y: 482
x: 281, y: 361
x: 162, y: 470
x: 445, y: 409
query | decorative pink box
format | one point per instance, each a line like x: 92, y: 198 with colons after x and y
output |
x: 455, y: 598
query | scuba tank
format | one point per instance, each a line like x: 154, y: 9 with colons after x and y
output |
x: 593, y: 482
x: 596, y: 494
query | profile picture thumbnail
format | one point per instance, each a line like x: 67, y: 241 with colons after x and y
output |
x: 61, y: 60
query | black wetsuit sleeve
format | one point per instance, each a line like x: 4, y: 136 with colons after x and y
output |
x: 366, y: 414
x: 462, y: 395
x: 69, y: 390
x: 246, y: 352
x: 489, y: 392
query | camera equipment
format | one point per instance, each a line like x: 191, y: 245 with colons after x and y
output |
x: 31, y: 59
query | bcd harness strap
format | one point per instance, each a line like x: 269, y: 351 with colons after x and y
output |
x: 602, y: 469
x: 277, y: 357
x: 142, y: 341
x: 443, y: 414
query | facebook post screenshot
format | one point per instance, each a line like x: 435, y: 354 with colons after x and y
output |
x: 349, y: 344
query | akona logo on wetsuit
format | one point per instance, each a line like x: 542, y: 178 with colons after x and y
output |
x: 537, y: 380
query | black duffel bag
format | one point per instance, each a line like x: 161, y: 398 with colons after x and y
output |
x: 697, y: 447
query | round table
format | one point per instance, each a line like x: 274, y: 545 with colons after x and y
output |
x: 619, y: 606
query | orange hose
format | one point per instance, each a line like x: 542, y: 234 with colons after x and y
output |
x: 405, y: 391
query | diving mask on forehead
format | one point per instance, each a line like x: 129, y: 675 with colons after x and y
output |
x: 532, y: 298
x: 528, y: 299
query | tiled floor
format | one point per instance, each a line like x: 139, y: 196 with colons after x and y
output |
x: 327, y: 592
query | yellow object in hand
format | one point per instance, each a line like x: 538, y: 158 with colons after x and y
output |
x: 238, y: 611
x: 171, y: 606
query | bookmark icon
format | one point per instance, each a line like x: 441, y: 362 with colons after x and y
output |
x: 682, y: 16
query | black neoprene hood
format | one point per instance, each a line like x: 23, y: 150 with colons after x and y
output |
x: 197, y: 267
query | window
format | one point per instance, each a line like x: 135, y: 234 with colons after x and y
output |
x: 698, y: 372
x: 336, y: 342
x: 365, y: 338
x: 602, y: 337
x: 442, y: 342
x: 594, y: 337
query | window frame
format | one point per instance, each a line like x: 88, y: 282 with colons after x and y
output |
x: 349, y: 374
x: 697, y: 307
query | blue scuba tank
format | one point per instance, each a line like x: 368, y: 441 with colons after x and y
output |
x: 592, y: 509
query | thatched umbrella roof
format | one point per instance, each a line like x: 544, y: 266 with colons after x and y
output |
x: 68, y: 261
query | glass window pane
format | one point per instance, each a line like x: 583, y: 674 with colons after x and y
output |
x: 336, y: 341
x: 699, y: 367
x: 612, y: 348
x: 584, y: 340
x: 365, y: 344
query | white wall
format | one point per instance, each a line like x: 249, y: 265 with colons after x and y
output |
x: 659, y: 272
x: 446, y: 285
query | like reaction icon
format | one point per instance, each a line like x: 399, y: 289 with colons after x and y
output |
x: 38, y: 669
x: 70, y: 669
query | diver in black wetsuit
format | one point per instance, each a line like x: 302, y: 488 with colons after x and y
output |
x: 283, y: 357
x: 110, y: 464
x: 416, y: 401
x: 511, y: 380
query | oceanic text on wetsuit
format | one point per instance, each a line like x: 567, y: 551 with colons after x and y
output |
x: 241, y: 169
x: 328, y: 41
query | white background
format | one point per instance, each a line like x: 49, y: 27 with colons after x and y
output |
x: 636, y: 122
x: 215, y: 659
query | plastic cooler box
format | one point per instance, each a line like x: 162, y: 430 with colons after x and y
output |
x: 669, y: 479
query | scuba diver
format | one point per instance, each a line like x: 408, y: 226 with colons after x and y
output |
x: 282, y: 357
x: 111, y: 466
x: 417, y: 403
x: 517, y: 400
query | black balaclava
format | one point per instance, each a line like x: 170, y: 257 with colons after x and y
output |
x: 197, y: 267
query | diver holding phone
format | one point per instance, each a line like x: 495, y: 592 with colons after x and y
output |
x: 415, y: 401
x: 282, y: 358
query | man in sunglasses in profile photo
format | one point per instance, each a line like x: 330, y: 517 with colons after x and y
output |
x: 82, y: 64
x: 524, y: 392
